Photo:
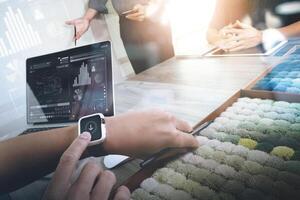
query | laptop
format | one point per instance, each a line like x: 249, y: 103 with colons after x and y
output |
x: 66, y: 85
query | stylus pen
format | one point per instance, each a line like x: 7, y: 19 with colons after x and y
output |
x: 211, y: 51
x: 170, y: 152
x: 75, y: 40
x: 127, y: 12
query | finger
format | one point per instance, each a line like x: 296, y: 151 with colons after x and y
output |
x: 137, y: 7
x: 232, y: 44
x: 236, y: 24
x: 237, y: 48
x: 137, y: 19
x: 239, y: 45
x: 229, y: 26
x: 183, y: 125
x: 233, y: 31
x: 104, y: 186
x: 78, y: 35
x: 69, y: 159
x: 183, y: 140
x: 70, y: 22
x: 228, y: 46
x: 123, y: 193
x: 135, y: 15
x: 140, y: 19
x: 84, y: 184
x: 243, y: 25
x: 225, y: 35
x: 246, y: 35
x: 134, y: 10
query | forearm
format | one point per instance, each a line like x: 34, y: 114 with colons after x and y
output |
x: 90, y: 14
x: 225, y: 14
x: 292, y: 30
x: 159, y: 2
x: 137, y: 134
x: 212, y: 36
x: 27, y: 158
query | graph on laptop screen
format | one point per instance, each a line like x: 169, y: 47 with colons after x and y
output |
x: 67, y: 85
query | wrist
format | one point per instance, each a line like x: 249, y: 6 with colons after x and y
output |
x: 90, y: 14
x: 72, y: 134
x: 260, y: 37
x: 87, y: 18
x: 106, y: 146
x: 109, y: 143
x: 270, y: 37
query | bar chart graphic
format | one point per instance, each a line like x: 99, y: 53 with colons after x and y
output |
x: 83, y: 77
x: 18, y: 35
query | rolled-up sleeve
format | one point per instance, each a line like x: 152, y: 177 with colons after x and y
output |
x: 98, y: 5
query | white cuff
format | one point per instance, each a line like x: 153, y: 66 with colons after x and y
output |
x: 270, y: 37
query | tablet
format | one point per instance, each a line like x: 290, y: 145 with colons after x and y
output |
x: 255, y: 51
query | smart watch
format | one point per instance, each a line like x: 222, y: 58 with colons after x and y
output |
x: 95, y: 125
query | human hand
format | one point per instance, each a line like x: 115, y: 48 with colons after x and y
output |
x: 224, y: 33
x: 139, y: 134
x: 217, y: 37
x: 81, y: 24
x: 138, y: 13
x: 239, y: 36
x: 93, y: 183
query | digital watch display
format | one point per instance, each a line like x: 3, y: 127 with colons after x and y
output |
x: 95, y: 125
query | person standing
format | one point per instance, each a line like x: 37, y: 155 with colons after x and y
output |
x: 227, y: 32
x: 146, y: 37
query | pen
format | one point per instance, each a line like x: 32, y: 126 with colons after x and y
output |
x: 170, y: 152
x: 209, y: 51
x: 128, y: 12
x: 75, y: 40
x: 213, y: 51
x: 201, y: 128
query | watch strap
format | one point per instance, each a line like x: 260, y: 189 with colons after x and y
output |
x: 96, y: 150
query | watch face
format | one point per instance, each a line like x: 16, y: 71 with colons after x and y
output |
x: 93, y: 126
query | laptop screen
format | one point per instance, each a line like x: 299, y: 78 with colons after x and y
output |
x: 63, y: 86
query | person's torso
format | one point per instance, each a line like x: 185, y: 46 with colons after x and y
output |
x: 124, y: 5
x: 280, y: 9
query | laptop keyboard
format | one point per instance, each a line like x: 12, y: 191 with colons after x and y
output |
x: 33, y: 130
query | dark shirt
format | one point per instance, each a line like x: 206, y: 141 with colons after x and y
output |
x: 261, y: 6
x: 147, y: 43
x: 119, y: 5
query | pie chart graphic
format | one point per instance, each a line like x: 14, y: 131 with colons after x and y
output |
x: 78, y: 95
